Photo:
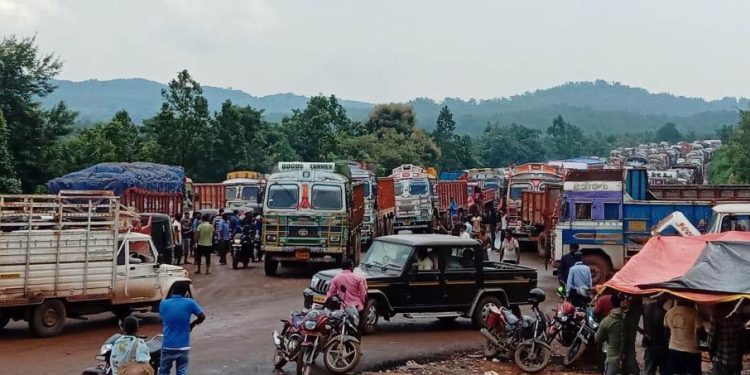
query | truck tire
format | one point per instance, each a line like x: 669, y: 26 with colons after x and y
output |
x: 270, y: 266
x: 479, y: 317
x: 541, y: 246
x: 48, y: 319
x: 601, y: 269
x: 370, y: 317
x: 122, y: 312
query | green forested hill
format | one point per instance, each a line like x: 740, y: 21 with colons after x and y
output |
x: 593, y: 106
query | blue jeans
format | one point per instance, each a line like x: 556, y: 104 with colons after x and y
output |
x: 179, y: 357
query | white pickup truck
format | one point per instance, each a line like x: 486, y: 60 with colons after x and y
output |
x: 69, y: 255
x: 725, y: 217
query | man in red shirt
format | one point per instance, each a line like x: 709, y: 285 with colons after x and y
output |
x: 350, y: 287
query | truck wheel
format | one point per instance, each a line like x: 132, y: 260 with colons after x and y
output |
x: 601, y: 270
x: 48, y: 319
x: 541, y: 246
x: 482, y: 310
x: 370, y: 317
x: 270, y: 266
x: 122, y: 312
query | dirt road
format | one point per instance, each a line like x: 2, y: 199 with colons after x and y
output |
x: 243, y: 308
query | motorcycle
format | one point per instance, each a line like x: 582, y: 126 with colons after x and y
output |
x: 242, y: 249
x: 331, y: 331
x: 524, y: 338
x: 587, y: 327
x: 105, y: 366
x: 289, y: 340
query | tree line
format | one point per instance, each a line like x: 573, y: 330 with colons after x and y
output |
x: 38, y: 144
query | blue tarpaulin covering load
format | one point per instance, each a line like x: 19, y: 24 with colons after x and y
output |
x: 119, y: 177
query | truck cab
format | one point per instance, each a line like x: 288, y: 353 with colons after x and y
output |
x: 414, y: 198
x: 244, y: 191
x: 312, y: 214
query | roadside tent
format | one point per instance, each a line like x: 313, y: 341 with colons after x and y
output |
x: 720, y: 274
x: 665, y: 258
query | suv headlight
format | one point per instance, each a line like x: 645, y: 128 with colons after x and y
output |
x: 314, y: 282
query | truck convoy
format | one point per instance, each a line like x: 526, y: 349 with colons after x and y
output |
x: 413, y: 187
x: 313, y: 212
x: 610, y: 214
x: 70, y: 255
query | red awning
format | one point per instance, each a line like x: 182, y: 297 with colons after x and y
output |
x: 664, y: 258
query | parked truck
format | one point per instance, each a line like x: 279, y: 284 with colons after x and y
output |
x: 380, y: 204
x: 313, y: 213
x: 70, y: 255
x: 144, y: 187
x: 610, y: 214
x: 413, y: 188
x: 244, y: 191
x: 532, y: 177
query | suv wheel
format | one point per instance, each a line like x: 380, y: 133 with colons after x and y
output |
x: 370, y: 316
x: 481, y: 311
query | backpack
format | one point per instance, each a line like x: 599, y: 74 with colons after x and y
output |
x: 131, y: 367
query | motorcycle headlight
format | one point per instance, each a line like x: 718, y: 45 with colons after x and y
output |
x: 237, y: 241
x: 105, y: 348
x: 310, y: 325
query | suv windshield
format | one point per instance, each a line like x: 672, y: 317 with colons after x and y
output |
x: 418, y: 187
x: 250, y: 193
x: 386, y: 254
x: 283, y: 196
x: 326, y: 197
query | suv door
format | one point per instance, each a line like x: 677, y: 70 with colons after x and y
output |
x: 423, y: 290
x: 461, y: 275
x: 142, y: 276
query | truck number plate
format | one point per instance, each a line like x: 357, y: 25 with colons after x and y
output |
x: 302, y: 255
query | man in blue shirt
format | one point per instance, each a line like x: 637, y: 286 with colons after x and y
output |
x: 566, y: 263
x: 225, y: 239
x: 579, y: 282
x: 175, y: 313
x: 453, y: 210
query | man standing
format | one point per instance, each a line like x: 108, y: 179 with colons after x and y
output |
x: 684, y: 356
x: 509, y: 252
x: 350, y: 287
x: 218, y: 221
x: 453, y: 210
x: 568, y: 260
x: 611, y: 332
x: 234, y: 222
x: 175, y: 313
x: 725, y: 340
x: 225, y: 237
x: 177, y: 238
x: 186, y: 231
x: 204, y: 238
x: 468, y: 227
x: 655, y: 338
x: 579, y: 282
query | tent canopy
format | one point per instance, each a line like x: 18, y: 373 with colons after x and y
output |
x: 667, y: 258
x: 119, y: 177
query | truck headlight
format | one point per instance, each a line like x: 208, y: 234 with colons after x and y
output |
x: 335, y: 238
x: 366, y: 219
x: 270, y: 237
x: 424, y: 212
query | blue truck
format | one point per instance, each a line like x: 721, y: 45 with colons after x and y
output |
x: 610, y: 214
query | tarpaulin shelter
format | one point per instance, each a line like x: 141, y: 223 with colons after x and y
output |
x: 697, y: 268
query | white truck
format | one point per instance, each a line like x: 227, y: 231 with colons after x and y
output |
x: 725, y: 217
x: 69, y: 255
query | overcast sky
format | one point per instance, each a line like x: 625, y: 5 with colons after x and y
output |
x: 383, y: 50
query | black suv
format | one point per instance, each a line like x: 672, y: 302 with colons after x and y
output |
x: 431, y: 275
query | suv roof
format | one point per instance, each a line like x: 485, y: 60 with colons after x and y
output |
x: 428, y: 240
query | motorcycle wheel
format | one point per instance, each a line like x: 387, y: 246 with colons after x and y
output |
x: 235, y: 261
x: 531, y: 356
x: 304, y: 368
x: 278, y: 359
x: 574, y: 352
x: 342, y: 357
x: 566, y: 337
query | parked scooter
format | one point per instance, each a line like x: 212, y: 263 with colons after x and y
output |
x: 105, y: 366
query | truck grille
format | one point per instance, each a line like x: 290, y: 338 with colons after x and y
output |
x: 303, y: 231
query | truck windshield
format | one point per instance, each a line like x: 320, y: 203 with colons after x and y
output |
x: 231, y: 193
x: 250, y: 193
x: 418, y: 187
x: 326, y: 197
x: 491, y: 185
x: 283, y: 196
x: 387, y: 255
x: 398, y: 187
x: 735, y: 222
x: 516, y: 191
x: 368, y: 188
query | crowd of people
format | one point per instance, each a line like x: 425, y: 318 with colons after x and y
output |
x: 675, y: 331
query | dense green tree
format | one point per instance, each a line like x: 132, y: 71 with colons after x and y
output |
x: 724, y: 133
x: 396, y: 116
x: 668, y: 133
x: 731, y: 163
x: 8, y: 181
x: 312, y: 131
x: 515, y: 144
x: 565, y: 140
x: 118, y: 140
x: 178, y: 134
x: 34, y: 139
